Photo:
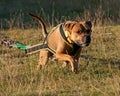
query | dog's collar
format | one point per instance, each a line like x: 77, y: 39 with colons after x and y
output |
x: 68, y: 38
x: 64, y: 35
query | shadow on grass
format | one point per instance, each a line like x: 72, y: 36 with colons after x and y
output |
x: 112, y: 61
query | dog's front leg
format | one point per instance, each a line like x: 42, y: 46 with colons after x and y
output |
x: 66, y: 57
x: 76, y: 57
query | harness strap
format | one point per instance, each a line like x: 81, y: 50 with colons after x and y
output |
x: 65, y: 36
x: 37, y: 48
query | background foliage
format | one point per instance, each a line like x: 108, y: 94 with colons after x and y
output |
x: 16, y: 12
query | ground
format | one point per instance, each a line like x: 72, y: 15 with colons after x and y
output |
x: 99, y: 67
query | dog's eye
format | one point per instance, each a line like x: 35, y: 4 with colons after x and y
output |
x: 79, y: 32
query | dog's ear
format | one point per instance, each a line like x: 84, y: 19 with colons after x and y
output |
x: 69, y: 25
x: 88, y: 23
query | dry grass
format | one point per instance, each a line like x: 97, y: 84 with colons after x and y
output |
x: 98, y: 75
x: 99, y: 63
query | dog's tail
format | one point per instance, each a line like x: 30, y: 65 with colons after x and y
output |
x: 44, y: 31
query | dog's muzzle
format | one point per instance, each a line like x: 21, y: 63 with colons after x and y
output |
x: 86, y: 41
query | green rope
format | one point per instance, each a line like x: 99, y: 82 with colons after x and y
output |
x: 21, y: 46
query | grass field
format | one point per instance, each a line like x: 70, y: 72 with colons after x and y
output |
x: 99, y: 67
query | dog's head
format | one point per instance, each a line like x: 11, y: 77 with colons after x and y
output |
x: 79, y: 32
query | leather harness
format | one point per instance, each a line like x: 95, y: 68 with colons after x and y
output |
x: 36, y: 48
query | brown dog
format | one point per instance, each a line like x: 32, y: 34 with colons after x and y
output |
x: 65, y: 42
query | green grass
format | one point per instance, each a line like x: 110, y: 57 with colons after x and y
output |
x: 99, y: 67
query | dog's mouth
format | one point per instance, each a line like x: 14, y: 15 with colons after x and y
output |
x: 84, y: 42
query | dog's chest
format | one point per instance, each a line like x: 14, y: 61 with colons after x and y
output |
x: 72, y: 50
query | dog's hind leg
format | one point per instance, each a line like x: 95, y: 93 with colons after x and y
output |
x: 43, y: 58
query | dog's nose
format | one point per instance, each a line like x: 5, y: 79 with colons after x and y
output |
x: 87, y: 39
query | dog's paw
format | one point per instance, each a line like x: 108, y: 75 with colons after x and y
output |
x: 65, y: 63
x: 38, y: 67
x: 75, y: 67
